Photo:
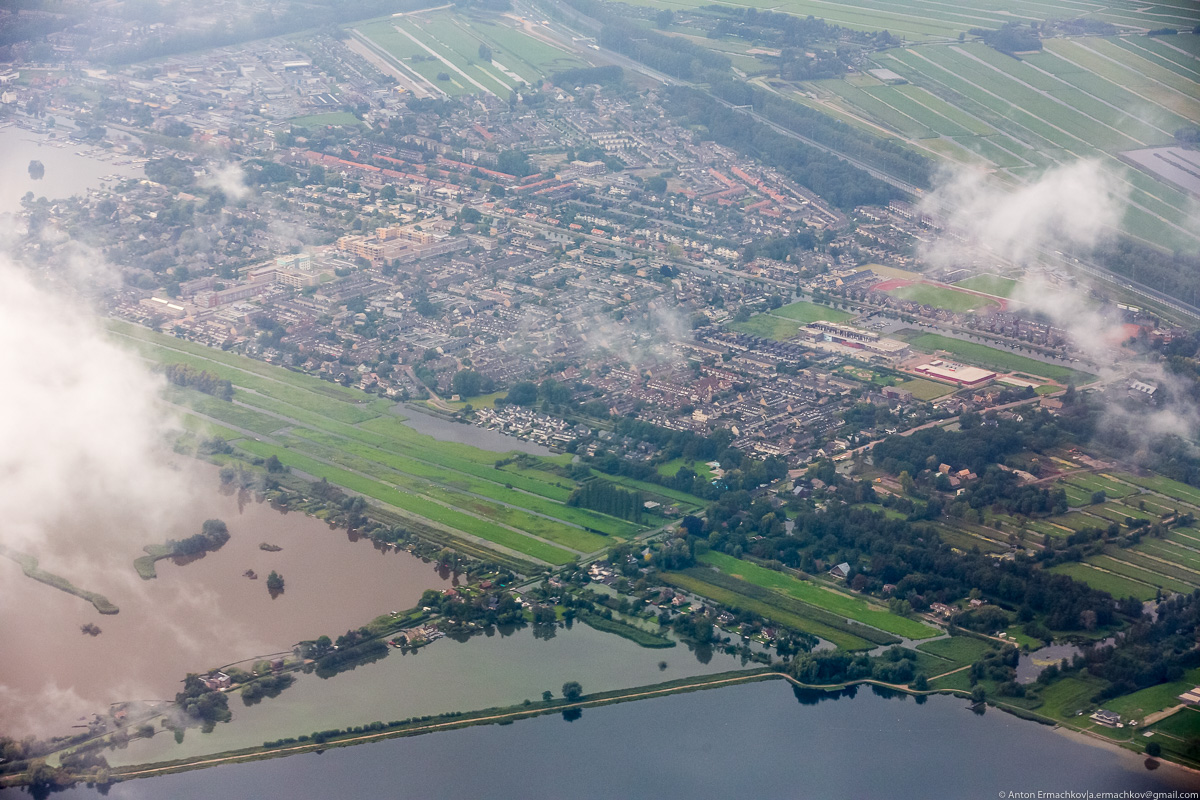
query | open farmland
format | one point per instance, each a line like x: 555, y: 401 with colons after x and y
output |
x: 355, y: 441
x: 443, y: 42
x: 919, y: 20
x: 851, y: 607
x: 1078, y: 98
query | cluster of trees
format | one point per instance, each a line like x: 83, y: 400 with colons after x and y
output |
x: 974, y: 446
x: 742, y: 471
x: 779, y: 29
x: 896, y: 665
x: 1011, y: 37
x: 469, y: 383
x: 1174, y: 273
x: 202, y: 704
x: 608, y: 498
x: 841, y: 184
x: 1151, y: 651
x: 213, y: 534
x: 481, y: 610
x: 908, y: 555
x: 584, y: 76
x: 269, y: 686
x: 675, y: 56
x: 886, y: 154
x: 199, y: 379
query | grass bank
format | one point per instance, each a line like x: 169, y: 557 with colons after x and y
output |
x: 29, y: 565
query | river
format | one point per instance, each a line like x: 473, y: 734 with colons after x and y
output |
x: 67, y: 172
x: 191, y: 617
x: 752, y: 740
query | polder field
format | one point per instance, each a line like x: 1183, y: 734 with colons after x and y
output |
x: 847, y: 621
x: 962, y: 102
x: 1080, y: 97
x: 924, y: 20
x: 1152, y: 566
x: 448, y: 42
x: 454, y: 492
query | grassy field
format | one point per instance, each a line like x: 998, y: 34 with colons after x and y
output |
x: 732, y: 599
x: 1078, y: 98
x: 322, y: 120
x: 922, y: 20
x: 448, y: 42
x: 986, y: 356
x: 940, y: 297
x: 768, y: 326
x: 960, y: 649
x: 989, y: 284
x: 925, y: 390
x: 1164, y: 486
x: 845, y: 605
x: 354, y: 440
x: 1115, y: 585
x: 805, y: 312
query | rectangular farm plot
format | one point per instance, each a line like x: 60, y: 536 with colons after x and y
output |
x: 1115, y: 585
x: 852, y: 607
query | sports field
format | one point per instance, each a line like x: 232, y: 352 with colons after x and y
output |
x: 768, y: 326
x: 989, y: 284
x: 355, y: 441
x: 940, y: 297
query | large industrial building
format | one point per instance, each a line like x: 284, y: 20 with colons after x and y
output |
x: 952, y: 372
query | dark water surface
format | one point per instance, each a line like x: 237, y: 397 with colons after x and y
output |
x: 753, y: 740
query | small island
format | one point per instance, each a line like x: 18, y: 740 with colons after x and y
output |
x: 213, y: 535
x: 275, y: 584
x: 270, y: 548
x: 36, y: 170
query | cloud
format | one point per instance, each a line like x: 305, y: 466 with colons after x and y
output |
x: 1076, y: 204
x: 230, y: 179
x: 1071, y: 208
x: 80, y: 423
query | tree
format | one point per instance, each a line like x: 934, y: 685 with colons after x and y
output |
x: 273, y: 464
x: 572, y: 690
x: 469, y: 383
x: 664, y: 18
x: 275, y: 583
x: 547, y: 695
x: 1154, y: 749
x: 485, y: 53
x: 524, y: 393
x: 920, y: 683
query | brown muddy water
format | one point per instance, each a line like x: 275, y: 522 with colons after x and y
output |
x: 193, y: 616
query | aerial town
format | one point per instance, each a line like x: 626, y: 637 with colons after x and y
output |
x: 629, y: 349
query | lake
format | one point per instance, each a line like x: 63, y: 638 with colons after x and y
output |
x: 448, y: 431
x: 483, y: 671
x: 67, y: 173
x: 191, y: 617
x: 756, y: 740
